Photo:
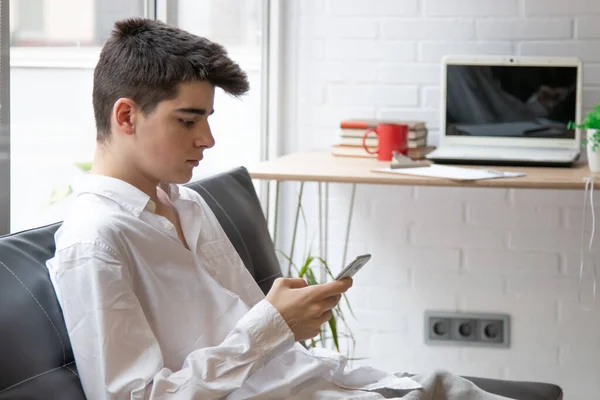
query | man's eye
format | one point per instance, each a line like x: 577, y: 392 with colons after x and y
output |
x: 187, y: 123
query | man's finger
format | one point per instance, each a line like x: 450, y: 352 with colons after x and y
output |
x: 331, y: 302
x: 326, y: 316
x: 329, y: 289
x: 295, y: 283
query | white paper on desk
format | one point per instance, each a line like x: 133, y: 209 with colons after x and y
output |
x: 449, y: 172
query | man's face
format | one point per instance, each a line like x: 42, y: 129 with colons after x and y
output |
x: 169, y: 142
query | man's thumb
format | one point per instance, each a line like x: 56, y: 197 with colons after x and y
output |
x: 296, y: 283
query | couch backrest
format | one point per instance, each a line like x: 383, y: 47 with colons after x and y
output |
x: 36, y: 359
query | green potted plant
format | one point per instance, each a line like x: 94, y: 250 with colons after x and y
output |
x: 330, y: 334
x: 591, y: 124
x: 337, y: 329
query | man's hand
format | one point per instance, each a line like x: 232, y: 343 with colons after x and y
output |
x: 305, y: 308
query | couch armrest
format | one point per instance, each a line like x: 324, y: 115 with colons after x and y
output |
x: 519, y: 390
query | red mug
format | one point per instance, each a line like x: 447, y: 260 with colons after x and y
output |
x: 392, y: 137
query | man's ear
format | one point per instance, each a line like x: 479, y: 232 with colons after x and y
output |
x: 124, y: 115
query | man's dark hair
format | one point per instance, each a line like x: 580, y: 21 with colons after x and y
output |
x: 145, y: 60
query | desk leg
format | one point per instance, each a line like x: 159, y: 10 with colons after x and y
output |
x: 321, y: 245
x: 275, y: 217
x: 323, y: 239
x: 298, y: 206
x: 350, y: 212
x: 326, y: 240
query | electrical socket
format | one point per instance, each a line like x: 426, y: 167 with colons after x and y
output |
x: 439, y: 328
x: 472, y: 329
x: 491, y: 330
x: 464, y: 329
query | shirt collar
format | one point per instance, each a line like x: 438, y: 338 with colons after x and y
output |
x: 124, y: 194
x: 170, y: 189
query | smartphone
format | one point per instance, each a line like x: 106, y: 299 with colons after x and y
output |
x: 353, y: 267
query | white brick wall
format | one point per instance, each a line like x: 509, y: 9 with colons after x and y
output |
x: 591, y: 75
x: 410, y: 74
x: 438, y: 29
x: 507, y: 216
x: 587, y: 28
x: 509, y: 251
x: 470, y: 8
x: 380, y: 8
x: 434, y: 51
x: 519, y: 29
x: 363, y: 49
x: 575, y: 8
x: 587, y: 50
x: 322, y: 27
x: 499, y: 262
x: 373, y: 95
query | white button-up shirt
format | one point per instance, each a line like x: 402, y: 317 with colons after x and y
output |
x: 148, y: 318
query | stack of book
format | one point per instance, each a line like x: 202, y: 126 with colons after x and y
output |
x: 349, y: 138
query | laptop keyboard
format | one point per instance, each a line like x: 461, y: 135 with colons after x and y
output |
x: 504, y: 153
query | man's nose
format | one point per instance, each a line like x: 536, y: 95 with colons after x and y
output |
x: 205, y: 139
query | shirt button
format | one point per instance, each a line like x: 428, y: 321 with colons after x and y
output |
x: 151, y: 206
x: 169, y: 226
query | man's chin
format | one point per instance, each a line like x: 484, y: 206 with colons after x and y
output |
x: 183, y: 178
x: 178, y: 179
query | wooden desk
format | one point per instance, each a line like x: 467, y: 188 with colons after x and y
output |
x: 324, y: 167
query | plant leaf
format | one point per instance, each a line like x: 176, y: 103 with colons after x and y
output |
x: 334, y: 333
x: 328, y: 270
x: 307, y: 272
x: 310, y: 277
x: 305, y: 267
x: 59, y: 194
x: 84, y: 166
x: 340, y: 315
x: 591, y: 121
x: 292, y: 263
x: 348, y: 304
x: 326, y: 266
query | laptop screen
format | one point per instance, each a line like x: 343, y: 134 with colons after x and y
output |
x: 511, y: 101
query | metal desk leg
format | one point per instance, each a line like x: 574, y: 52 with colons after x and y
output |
x: 275, y: 217
x: 352, y: 197
x: 322, y: 237
x: 326, y: 240
x: 295, y: 227
x: 266, y: 191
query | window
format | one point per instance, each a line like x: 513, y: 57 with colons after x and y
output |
x: 54, y: 48
x: 68, y: 23
x: 236, y: 124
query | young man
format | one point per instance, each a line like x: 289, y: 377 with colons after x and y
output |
x: 157, y: 302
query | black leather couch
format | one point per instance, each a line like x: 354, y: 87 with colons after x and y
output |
x: 36, y: 359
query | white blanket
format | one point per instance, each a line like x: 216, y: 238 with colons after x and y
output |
x: 442, y: 385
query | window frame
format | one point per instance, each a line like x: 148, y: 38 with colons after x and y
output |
x: 86, y: 57
x: 4, y: 117
x: 271, y: 90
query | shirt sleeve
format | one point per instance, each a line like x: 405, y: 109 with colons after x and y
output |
x: 117, y: 354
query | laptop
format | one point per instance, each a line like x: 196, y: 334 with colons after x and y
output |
x: 509, y: 111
